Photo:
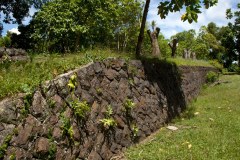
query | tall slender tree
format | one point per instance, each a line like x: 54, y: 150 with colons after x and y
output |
x: 141, y: 34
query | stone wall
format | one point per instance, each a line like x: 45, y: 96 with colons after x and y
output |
x: 192, y: 80
x: 13, y: 54
x: 134, y: 99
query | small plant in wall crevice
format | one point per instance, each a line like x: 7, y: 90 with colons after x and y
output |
x: 108, y: 122
x: 4, y: 145
x: 135, y: 130
x: 129, y: 104
x: 66, y: 127
x: 80, y: 108
x: 72, y: 83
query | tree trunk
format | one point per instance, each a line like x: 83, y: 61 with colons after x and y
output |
x: 118, y: 43
x: 239, y: 60
x: 76, y: 48
x: 173, y: 47
x: 141, y: 34
x: 154, y: 41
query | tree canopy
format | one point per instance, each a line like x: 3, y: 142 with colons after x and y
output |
x: 192, y: 8
x: 15, y: 10
x: 69, y: 25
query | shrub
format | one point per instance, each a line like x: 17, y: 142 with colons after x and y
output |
x: 216, y: 64
x: 211, y: 77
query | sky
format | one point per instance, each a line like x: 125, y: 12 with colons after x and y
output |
x: 13, y: 27
x: 173, y: 24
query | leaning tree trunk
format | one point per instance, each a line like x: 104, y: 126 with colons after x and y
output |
x: 141, y: 34
x: 154, y: 41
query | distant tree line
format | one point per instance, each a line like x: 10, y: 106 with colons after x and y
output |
x: 64, y: 26
x: 71, y: 25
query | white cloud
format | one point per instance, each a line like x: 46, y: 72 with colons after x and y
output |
x: 173, y: 23
x: 14, y: 30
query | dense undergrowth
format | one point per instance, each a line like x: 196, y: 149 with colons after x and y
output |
x: 209, y: 128
x: 18, y: 77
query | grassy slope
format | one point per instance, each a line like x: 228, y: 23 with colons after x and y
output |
x: 21, y: 76
x: 212, y: 134
x: 18, y: 77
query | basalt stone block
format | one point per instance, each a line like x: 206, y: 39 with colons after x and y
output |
x: 41, y: 147
x: 20, y: 153
x: 117, y: 64
x: 94, y: 156
x: 2, y: 51
x: 111, y: 74
x: 9, y: 109
x: 57, y: 134
x: 97, y: 67
x: 39, y: 105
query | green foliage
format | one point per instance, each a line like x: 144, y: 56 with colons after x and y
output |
x: 192, y: 8
x: 80, y: 108
x: 72, y: 83
x: 129, y: 104
x: 6, y: 61
x: 52, y: 151
x: 99, y: 91
x: 64, y: 26
x: 233, y: 68
x: 27, y: 103
x: 5, y: 41
x: 66, y: 127
x: 216, y: 64
x: 24, y: 40
x: 135, y: 130
x: 231, y: 39
x: 186, y: 40
x: 108, y: 122
x: 211, y: 77
x: 4, y: 146
x: 132, y: 70
x: 12, y: 157
x: 51, y: 103
x: 109, y: 111
x: 164, y: 48
x: 130, y: 81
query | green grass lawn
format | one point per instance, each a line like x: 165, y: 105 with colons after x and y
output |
x: 212, y: 133
x: 189, y: 62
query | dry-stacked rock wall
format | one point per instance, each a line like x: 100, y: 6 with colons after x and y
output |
x: 13, y: 54
x: 96, y: 111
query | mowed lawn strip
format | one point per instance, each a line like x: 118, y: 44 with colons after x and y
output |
x: 212, y: 132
